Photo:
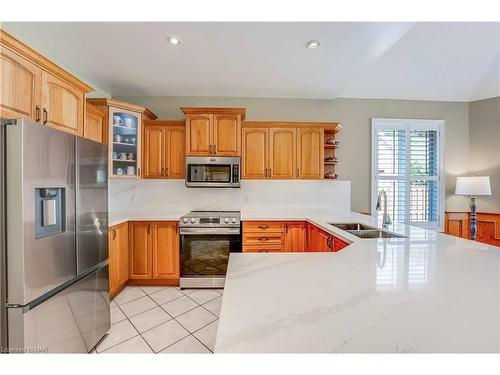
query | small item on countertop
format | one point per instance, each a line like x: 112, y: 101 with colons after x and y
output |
x: 331, y: 176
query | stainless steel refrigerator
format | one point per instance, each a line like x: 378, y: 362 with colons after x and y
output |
x: 54, y: 213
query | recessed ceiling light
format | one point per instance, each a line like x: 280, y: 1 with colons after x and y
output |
x: 173, y: 40
x: 312, y: 43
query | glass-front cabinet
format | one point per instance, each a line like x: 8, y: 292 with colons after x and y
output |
x: 125, y: 143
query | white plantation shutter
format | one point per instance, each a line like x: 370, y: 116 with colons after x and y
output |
x: 407, y: 158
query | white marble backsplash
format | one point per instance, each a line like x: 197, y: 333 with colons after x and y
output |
x: 164, y: 196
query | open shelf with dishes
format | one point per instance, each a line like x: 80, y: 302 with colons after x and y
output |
x: 125, y: 131
x: 330, y: 159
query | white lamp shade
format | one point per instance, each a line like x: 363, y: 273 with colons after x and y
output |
x: 477, y: 185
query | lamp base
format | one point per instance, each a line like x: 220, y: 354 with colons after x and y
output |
x: 473, y: 219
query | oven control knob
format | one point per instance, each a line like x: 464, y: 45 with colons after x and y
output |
x: 233, y: 220
x: 185, y: 220
x: 226, y: 220
x: 193, y: 220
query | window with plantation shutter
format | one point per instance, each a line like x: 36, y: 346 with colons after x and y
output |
x: 407, y: 164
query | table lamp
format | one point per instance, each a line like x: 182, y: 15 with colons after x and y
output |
x: 473, y: 186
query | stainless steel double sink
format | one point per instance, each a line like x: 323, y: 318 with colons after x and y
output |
x: 365, y: 231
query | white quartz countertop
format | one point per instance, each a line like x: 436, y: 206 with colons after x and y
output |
x: 428, y: 292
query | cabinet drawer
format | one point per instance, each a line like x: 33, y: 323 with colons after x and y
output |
x: 263, y: 239
x: 263, y: 249
x: 263, y: 226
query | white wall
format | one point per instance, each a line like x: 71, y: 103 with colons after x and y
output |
x: 173, y: 197
x: 484, y: 129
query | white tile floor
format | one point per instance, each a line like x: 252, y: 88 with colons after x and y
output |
x: 156, y: 319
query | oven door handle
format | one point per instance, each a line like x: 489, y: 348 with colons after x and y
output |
x: 209, y: 231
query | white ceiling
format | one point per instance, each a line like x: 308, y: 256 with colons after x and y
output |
x: 423, y: 61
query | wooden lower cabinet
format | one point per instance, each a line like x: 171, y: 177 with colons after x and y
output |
x: 165, y: 250
x: 140, y: 250
x: 154, y: 253
x: 296, y: 236
x: 118, y: 258
x: 288, y: 236
x: 318, y: 240
x: 488, y: 226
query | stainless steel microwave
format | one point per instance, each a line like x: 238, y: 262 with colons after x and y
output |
x: 204, y: 171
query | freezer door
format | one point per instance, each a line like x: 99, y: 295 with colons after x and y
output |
x: 92, y: 203
x: 40, y: 179
x: 72, y: 321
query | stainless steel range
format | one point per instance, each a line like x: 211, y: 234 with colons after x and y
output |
x: 207, y: 239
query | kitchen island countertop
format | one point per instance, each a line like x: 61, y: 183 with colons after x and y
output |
x: 428, y: 292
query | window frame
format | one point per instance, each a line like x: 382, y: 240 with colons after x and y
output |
x: 409, y: 125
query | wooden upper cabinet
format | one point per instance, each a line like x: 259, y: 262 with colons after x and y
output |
x: 282, y: 155
x: 227, y: 135
x: 33, y: 87
x: 199, y: 134
x: 165, y: 250
x: 213, y: 131
x: 140, y: 260
x: 310, y: 153
x: 164, y: 149
x: 175, y: 152
x: 254, y: 153
x: 95, y: 124
x: 154, y: 151
x: 62, y: 105
x: 124, y: 136
x: 20, y: 83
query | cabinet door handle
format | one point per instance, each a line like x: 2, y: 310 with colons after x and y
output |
x: 162, y: 172
x: 149, y: 228
x: 297, y: 172
x: 270, y: 172
x: 45, y: 116
x: 263, y: 239
x: 138, y: 172
x: 265, y: 173
x: 263, y: 226
x: 37, y: 113
x: 114, y: 233
x: 286, y: 228
x: 215, y: 150
x: 166, y: 172
x: 210, y: 150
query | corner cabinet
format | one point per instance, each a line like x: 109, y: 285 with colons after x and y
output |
x: 213, y: 131
x: 118, y: 258
x: 163, y: 150
x: 124, y: 123
x: 34, y: 88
